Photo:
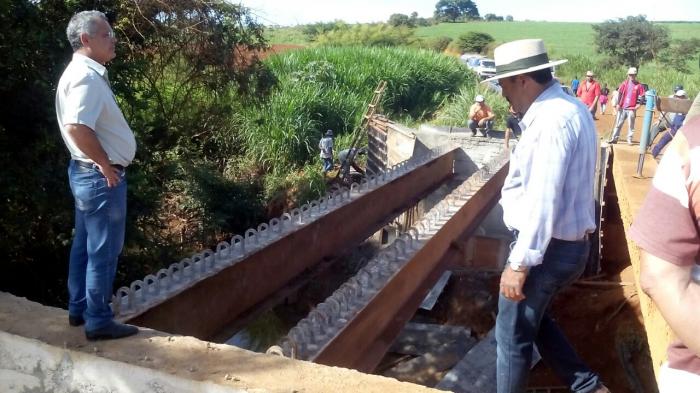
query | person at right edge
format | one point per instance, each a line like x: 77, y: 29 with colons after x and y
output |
x: 101, y: 146
x: 670, y: 274
x: 547, y: 201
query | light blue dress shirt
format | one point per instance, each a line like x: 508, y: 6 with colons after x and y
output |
x: 548, y: 192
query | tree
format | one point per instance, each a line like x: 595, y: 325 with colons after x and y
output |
x: 680, y: 52
x: 401, y: 20
x: 631, y: 41
x: 473, y: 42
x: 452, y: 10
x: 493, y: 18
x: 509, y: 18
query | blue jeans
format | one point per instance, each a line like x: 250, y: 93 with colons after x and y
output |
x: 100, y: 217
x: 327, y: 164
x: 519, y: 325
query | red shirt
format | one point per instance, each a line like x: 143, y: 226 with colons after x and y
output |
x: 587, y: 92
x: 628, y: 99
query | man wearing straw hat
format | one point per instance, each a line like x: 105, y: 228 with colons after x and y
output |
x: 547, y: 201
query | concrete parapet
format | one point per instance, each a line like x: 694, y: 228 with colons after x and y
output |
x: 39, y: 352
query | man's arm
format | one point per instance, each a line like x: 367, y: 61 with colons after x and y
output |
x: 85, y: 139
x: 675, y: 294
x: 472, y: 112
x: 596, y: 95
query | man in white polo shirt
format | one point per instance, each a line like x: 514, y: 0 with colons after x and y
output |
x: 101, y: 146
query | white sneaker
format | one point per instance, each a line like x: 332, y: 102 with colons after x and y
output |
x: 629, y: 141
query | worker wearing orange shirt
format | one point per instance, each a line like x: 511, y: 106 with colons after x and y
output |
x: 480, y: 116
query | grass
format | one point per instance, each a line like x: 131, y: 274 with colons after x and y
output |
x: 561, y: 38
x: 329, y: 87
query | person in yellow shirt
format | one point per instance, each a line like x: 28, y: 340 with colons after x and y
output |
x: 480, y: 116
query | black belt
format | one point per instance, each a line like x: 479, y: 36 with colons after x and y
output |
x: 92, y: 165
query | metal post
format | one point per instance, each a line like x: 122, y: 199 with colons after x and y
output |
x: 644, y: 142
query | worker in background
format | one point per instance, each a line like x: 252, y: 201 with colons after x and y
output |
x: 548, y: 203
x: 574, y: 84
x: 666, y: 229
x: 326, y: 147
x: 345, y: 154
x: 677, y: 120
x: 665, y: 122
x: 589, y: 93
x: 480, y: 116
x: 512, y: 126
x: 628, y: 101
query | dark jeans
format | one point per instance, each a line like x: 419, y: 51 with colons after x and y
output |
x: 100, y: 219
x: 665, y: 139
x: 488, y: 125
x: 519, y: 325
x: 327, y: 164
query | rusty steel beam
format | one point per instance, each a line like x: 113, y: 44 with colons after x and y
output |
x: 207, y: 306
x: 365, y: 339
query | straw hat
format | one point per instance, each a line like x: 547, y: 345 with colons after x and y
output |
x: 590, y: 73
x: 632, y: 71
x: 521, y: 57
x: 479, y: 98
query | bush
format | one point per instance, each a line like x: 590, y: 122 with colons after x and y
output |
x: 311, y: 31
x: 631, y: 41
x: 473, y: 42
x: 681, y: 53
x: 329, y: 87
x: 438, y: 44
x: 368, y: 35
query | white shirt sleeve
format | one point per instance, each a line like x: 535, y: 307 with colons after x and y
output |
x: 549, y: 157
x: 83, y: 103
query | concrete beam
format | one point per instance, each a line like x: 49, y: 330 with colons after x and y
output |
x: 207, y: 306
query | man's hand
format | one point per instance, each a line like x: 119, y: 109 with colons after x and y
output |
x: 85, y: 139
x: 111, y: 174
x: 512, y: 284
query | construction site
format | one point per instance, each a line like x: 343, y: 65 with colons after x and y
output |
x: 387, y: 285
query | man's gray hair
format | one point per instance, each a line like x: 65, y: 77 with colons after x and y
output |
x: 82, y: 22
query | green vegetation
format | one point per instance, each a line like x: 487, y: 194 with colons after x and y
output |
x: 368, y: 35
x: 456, y: 10
x: 473, y: 42
x: 328, y: 87
x: 631, y: 41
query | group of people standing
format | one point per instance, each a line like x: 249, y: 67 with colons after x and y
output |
x: 625, y: 100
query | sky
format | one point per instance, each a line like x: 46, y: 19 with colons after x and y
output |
x: 293, y: 12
